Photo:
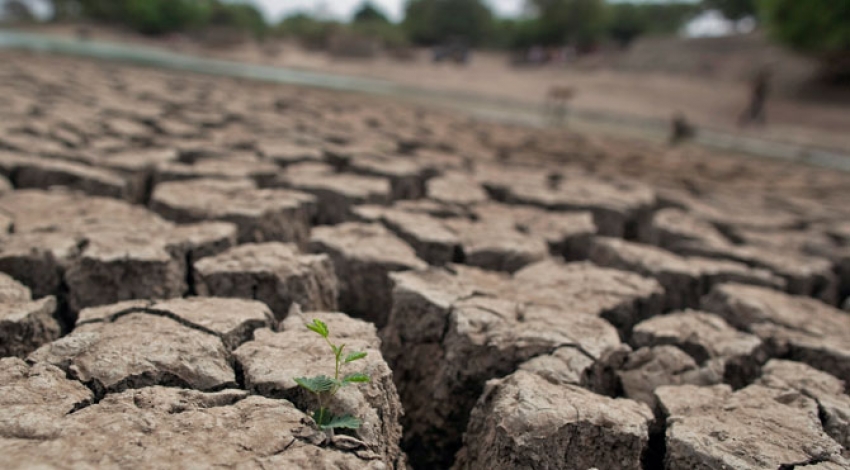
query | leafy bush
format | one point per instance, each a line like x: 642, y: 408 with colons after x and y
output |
x: 369, y: 13
x: 582, y: 23
x: 371, y: 23
x: 430, y: 22
x: 312, y: 33
x: 238, y: 16
x: 819, y: 26
x: 165, y: 16
x: 626, y: 23
x: 577, y: 22
x: 387, y: 34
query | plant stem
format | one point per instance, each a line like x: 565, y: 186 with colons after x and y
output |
x: 336, y: 372
x: 336, y: 358
x: 321, y: 411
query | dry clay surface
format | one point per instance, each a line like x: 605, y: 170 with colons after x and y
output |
x: 526, y: 298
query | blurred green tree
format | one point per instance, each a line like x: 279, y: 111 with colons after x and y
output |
x: 429, y: 22
x: 238, y: 16
x: 668, y: 18
x: 818, y: 27
x: 623, y: 22
x: 626, y: 22
x: 580, y: 23
x: 311, y: 32
x: 388, y: 34
x: 369, y: 13
x: 165, y: 16
x: 735, y: 9
x: 370, y: 22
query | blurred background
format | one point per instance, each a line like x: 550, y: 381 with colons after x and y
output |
x: 775, y: 70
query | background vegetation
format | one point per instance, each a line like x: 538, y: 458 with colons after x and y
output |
x: 426, y: 22
x: 157, y: 17
x: 816, y: 27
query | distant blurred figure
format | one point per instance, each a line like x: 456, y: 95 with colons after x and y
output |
x: 536, y: 55
x: 560, y: 56
x: 83, y: 33
x: 681, y: 130
x: 760, y: 88
x: 558, y: 102
x: 554, y: 180
x: 541, y: 56
x: 455, y: 50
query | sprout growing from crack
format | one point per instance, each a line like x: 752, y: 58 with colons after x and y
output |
x: 324, y: 387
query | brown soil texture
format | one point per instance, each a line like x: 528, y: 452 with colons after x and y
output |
x: 528, y: 298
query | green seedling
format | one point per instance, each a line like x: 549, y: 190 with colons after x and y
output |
x: 324, y: 387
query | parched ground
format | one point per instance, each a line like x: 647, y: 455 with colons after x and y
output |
x: 528, y: 298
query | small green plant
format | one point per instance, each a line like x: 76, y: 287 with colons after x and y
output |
x: 324, y: 387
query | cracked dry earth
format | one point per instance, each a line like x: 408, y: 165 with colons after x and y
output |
x: 529, y: 299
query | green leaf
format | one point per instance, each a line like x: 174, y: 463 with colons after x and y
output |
x: 355, y: 356
x: 319, y: 327
x: 358, y: 378
x: 316, y: 385
x: 322, y: 419
x: 341, y: 422
x: 325, y: 420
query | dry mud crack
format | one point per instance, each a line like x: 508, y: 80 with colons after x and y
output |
x: 527, y: 298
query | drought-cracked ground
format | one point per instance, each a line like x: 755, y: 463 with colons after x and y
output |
x: 529, y: 299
